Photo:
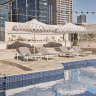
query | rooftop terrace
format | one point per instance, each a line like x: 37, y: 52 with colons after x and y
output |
x: 14, y: 67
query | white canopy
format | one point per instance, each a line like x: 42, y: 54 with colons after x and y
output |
x: 31, y: 26
x: 53, y: 28
x: 71, y: 28
x: 36, y: 26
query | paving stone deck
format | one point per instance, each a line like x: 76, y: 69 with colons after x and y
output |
x: 14, y: 67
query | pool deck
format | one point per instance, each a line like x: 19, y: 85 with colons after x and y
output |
x: 14, y: 67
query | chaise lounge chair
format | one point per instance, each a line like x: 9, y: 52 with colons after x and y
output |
x: 65, y: 52
x: 26, y: 54
x: 80, y: 51
x: 44, y: 52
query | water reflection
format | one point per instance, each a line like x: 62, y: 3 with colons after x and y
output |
x: 85, y: 76
x: 76, y: 82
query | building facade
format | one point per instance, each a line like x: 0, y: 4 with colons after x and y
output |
x: 81, y: 19
x: 4, y: 16
x: 31, y: 9
x: 60, y: 11
x: 22, y: 11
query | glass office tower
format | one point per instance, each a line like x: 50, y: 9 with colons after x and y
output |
x: 22, y: 11
x: 25, y: 10
x: 43, y: 11
x: 5, y: 12
x: 81, y: 19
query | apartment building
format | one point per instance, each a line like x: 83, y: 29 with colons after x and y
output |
x: 60, y: 11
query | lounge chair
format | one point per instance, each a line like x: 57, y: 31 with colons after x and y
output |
x: 81, y: 52
x: 26, y: 54
x: 44, y: 52
x: 66, y: 52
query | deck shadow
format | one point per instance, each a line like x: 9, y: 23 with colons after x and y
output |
x: 16, y: 65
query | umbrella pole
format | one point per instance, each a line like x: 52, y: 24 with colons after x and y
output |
x: 64, y: 39
x: 65, y: 42
x: 78, y: 37
x: 34, y: 43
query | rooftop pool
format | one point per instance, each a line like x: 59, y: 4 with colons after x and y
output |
x: 77, y: 78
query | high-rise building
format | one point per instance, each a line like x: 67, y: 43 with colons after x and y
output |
x: 22, y: 11
x: 60, y: 11
x: 4, y: 16
x: 25, y: 10
x: 81, y: 19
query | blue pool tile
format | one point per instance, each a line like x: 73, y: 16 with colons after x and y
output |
x: 22, y: 80
x: 79, y: 64
x: 86, y: 94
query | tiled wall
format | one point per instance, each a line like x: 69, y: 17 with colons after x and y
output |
x: 16, y: 81
x: 79, y: 64
x: 22, y: 80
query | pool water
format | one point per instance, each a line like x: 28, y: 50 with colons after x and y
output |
x: 76, y: 82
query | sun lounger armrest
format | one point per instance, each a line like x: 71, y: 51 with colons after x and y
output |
x: 25, y: 54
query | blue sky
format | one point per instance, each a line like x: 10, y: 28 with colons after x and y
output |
x: 85, y: 5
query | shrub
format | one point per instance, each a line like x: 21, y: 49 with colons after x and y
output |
x: 75, y: 42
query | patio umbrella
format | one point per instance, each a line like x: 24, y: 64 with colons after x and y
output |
x: 71, y: 28
x: 52, y: 44
x: 18, y: 44
x: 36, y: 25
x: 53, y: 28
x: 32, y: 26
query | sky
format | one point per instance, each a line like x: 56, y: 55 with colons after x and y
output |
x: 85, y: 6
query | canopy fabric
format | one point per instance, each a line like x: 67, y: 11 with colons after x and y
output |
x: 36, y: 26
x: 52, y: 44
x: 32, y: 26
x: 53, y: 28
x: 71, y: 28
x: 18, y: 44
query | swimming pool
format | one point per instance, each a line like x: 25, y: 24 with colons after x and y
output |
x: 78, y: 79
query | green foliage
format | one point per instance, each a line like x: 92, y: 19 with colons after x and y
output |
x: 91, y: 36
x: 75, y: 42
